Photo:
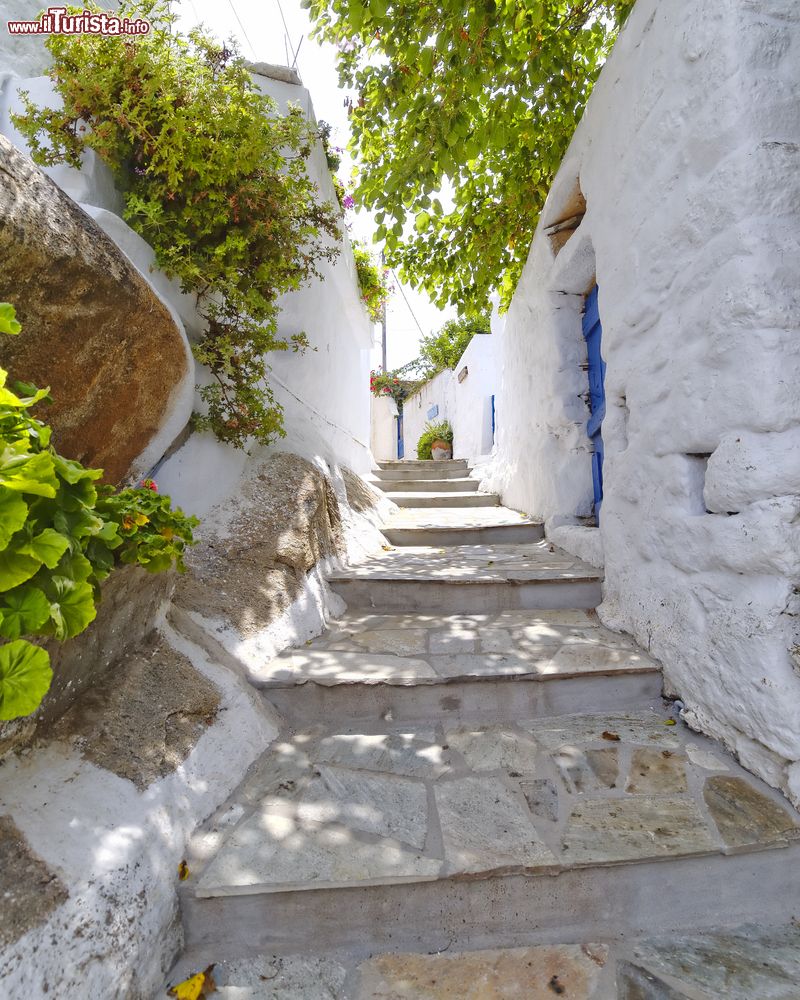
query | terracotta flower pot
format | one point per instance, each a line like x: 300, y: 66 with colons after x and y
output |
x: 444, y: 448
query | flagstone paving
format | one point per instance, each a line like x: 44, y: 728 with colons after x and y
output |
x: 367, y: 808
x: 454, y: 517
x: 486, y: 821
x: 534, y: 561
x: 363, y: 648
x: 747, y: 963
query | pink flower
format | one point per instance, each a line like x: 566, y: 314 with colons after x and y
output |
x: 149, y: 484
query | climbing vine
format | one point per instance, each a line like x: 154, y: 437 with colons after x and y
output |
x: 61, y: 534
x: 215, y: 180
x: 475, y: 99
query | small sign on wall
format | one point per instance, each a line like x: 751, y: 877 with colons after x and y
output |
x: 433, y: 411
x: 463, y: 373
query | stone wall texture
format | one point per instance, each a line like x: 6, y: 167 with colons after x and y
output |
x: 133, y: 602
x: 688, y: 158
x: 93, y: 328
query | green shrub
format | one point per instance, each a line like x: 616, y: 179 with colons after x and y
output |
x: 441, y: 431
x: 61, y: 534
x: 215, y: 180
x: 372, y: 280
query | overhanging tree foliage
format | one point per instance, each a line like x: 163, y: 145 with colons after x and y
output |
x: 482, y: 95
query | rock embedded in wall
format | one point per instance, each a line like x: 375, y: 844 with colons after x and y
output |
x: 248, y: 569
x: 93, y: 329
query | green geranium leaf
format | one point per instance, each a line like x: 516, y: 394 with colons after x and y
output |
x: 48, y: 547
x: 8, y: 319
x: 16, y: 568
x: 22, y: 611
x: 72, y: 606
x: 25, y: 473
x: 25, y: 677
x: 13, y: 512
x: 74, y: 566
x: 74, y: 472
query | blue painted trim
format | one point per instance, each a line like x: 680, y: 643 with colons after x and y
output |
x: 593, y: 334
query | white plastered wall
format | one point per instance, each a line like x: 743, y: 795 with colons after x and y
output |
x: 383, y: 430
x: 688, y: 158
x: 438, y: 392
x: 472, y: 411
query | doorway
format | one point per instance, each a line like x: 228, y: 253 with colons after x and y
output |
x: 593, y: 334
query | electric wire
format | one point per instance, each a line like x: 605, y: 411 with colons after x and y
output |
x: 288, y: 35
x: 247, y: 39
x: 405, y: 299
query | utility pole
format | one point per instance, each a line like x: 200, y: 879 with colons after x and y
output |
x: 383, y: 320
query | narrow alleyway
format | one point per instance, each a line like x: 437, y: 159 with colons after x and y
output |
x: 480, y: 793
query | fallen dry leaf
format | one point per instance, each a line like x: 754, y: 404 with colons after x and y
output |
x: 183, y: 871
x: 612, y: 737
x: 669, y: 722
x: 200, y: 985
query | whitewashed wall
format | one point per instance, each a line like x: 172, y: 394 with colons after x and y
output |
x: 327, y: 404
x: 383, y: 429
x: 472, y: 411
x: 438, y: 392
x: 688, y: 157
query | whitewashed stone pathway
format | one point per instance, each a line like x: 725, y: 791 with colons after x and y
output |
x: 479, y: 793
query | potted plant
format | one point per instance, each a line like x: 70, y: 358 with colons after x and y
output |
x: 436, y: 441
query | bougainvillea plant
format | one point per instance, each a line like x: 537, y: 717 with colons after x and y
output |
x: 214, y: 178
x: 393, y: 384
x: 61, y: 534
x: 373, y: 280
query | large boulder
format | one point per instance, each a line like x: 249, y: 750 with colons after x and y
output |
x: 93, y: 329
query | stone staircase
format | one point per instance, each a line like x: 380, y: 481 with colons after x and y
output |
x: 479, y: 793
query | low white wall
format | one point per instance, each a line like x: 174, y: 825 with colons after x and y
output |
x: 383, y: 430
x: 438, y: 392
x: 472, y: 414
x: 688, y: 159
x: 133, y: 850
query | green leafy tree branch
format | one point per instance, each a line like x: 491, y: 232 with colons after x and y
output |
x: 478, y: 98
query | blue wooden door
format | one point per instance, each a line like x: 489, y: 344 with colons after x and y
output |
x: 400, y: 444
x: 593, y: 332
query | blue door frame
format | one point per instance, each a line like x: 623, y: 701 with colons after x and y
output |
x: 593, y: 334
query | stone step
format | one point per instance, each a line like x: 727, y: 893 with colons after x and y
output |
x: 422, y: 471
x: 478, y: 834
x: 428, y: 485
x: 470, y: 579
x: 450, y: 464
x: 446, y: 526
x: 513, y: 665
x: 751, y: 962
x: 444, y: 499
x: 522, y: 532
